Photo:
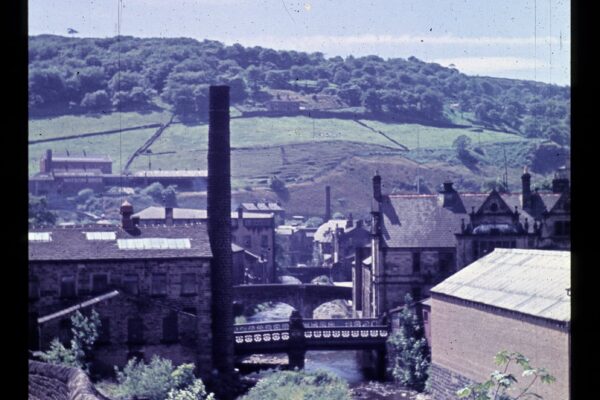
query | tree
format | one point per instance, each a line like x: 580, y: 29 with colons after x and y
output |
x: 39, y: 215
x: 299, y: 385
x: 97, y: 100
x: 409, y: 350
x: 501, y: 383
x: 159, y: 380
x: 85, y: 333
x: 372, y: 101
x: 169, y: 196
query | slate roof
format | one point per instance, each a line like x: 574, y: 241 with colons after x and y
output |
x: 418, y: 221
x: 158, y: 213
x: 91, y: 158
x: 70, y: 243
x: 532, y: 282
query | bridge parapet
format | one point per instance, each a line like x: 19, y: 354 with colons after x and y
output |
x: 262, y: 326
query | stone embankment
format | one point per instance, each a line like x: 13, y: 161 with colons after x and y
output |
x: 57, y: 382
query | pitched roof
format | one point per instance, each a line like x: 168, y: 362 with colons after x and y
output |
x: 532, y: 282
x: 78, y: 158
x: 192, y: 173
x: 158, y: 213
x: 262, y: 206
x: 150, y: 242
x: 418, y: 221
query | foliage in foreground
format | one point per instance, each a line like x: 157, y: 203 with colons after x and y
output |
x: 39, y: 214
x: 409, y: 351
x: 502, y: 385
x: 159, y: 380
x: 85, y: 333
x: 299, y: 385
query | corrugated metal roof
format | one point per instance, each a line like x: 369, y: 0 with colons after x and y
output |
x: 532, y: 282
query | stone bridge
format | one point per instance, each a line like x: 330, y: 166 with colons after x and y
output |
x: 305, y: 298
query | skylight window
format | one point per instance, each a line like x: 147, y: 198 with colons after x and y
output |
x: 100, y: 235
x: 154, y: 244
x: 40, y: 237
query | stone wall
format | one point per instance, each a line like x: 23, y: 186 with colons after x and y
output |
x: 445, y: 383
x: 56, y: 382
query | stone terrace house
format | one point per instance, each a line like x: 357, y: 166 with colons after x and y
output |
x: 422, y: 239
x: 162, y: 278
x: 512, y: 299
x: 253, y: 231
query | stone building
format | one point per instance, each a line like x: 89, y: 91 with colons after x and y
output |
x: 150, y: 284
x: 335, y: 242
x: 512, y: 299
x: 296, y: 243
x: 265, y: 207
x: 254, y: 231
x: 419, y: 240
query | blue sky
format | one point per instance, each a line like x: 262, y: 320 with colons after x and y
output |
x: 480, y: 37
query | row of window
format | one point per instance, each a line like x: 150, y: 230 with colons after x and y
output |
x: 247, y: 240
x: 135, y: 329
x: 130, y: 283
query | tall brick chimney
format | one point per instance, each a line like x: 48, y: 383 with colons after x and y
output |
x: 126, y: 212
x: 526, y: 189
x: 48, y: 161
x: 377, y: 187
x: 219, y: 229
x: 169, y: 215
x: 327, y: 203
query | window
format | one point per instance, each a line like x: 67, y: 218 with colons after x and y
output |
x: 170, y: 328
x: 445, y: 263
x: 188, y: 284
x: 67, y: 286
x: 131, y: 283
x: 248, y: 241
x: 159, y: 284
x: 415, y: 292
x: 99, y: 283
x: 425, y: 316
x: 135, y: 330
x: 264, y: 241
x: 34, y: 288
x: 104, y: 334
x: 562, y: 228
x: 64, y: 331
x: 416, y: 261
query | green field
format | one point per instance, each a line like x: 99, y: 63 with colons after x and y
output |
x: 118, y: 150
x: 414, y: 135
x: 74, y: 125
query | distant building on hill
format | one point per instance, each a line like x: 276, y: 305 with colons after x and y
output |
x: 265, y: 207
x: 511, y: 299
x: 62, y: 175
x: 283, y: 106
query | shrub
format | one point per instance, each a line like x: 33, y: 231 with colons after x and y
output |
x: 410, y: 353
x: 299, y: 385
x: 500, y: 383
x: 84, y: 194
x: 85, y: 333
x: 159, y: 380
x: 154, y: 190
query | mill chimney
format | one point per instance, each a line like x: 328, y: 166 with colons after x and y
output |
x: 219, y: 228
x: 526, y: 189
x: 377, y: 187
x: 48, y: 161
x: 169, y: 215
x: 327, y: 203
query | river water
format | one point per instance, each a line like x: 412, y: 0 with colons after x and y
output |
x: 341, y: 363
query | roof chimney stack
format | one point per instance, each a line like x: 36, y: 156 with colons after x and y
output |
x: 526, y: 189
x: 169, y: 215
x: 219, y: 229
x: 126, y: 213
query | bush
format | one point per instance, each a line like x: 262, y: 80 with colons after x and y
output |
x: 410, y: 353
x: 299, y: 385
x: 84, y: 194
x: 154, y: 190
x: 159, y: 380
x: 85, y: 333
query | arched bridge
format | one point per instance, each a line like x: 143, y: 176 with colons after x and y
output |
x: 305, y: 298
x: 296, y: 336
